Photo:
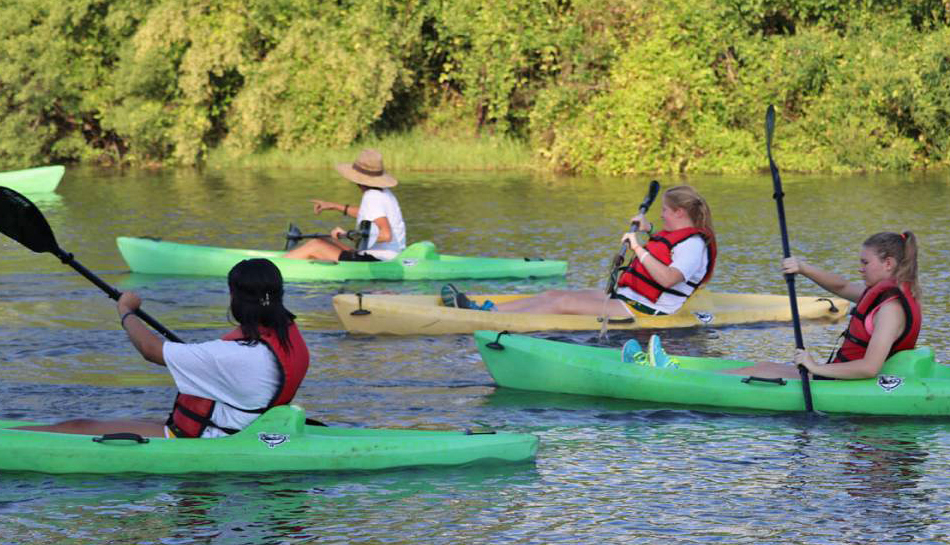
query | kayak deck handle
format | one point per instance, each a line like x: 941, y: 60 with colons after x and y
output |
x: 629, y: 320
x: 779, y: 381
x: 360, y: 311
x: 831, y: 304
x: 121, y: 436
x: 495, y: 345
x: 479, y: 431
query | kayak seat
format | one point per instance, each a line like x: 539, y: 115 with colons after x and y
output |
x: 286, y: 419
x: 419, y: 250
x: 918, y: 362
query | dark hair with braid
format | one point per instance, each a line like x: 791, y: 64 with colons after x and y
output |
x: 903, y: 248
x: 257, y: 299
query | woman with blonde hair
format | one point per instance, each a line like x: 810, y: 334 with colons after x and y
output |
x: 662, y: 274
x: 885, y: 319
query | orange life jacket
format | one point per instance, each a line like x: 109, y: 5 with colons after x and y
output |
x: 191, y: 415
x: 660, y: 246
x: 856, y: 337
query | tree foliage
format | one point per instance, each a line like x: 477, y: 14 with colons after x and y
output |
x: 616, y: 86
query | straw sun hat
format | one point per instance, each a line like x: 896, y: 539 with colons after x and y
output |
x: 367, y: 170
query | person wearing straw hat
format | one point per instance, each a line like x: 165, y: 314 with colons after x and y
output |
x: 378, y: 205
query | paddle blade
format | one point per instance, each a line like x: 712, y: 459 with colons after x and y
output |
x: 769, y: 128
x: 651, y: 196
x: 22, y: 221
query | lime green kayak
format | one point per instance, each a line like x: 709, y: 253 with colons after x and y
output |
x: 33, y: 180
x: 426, y: 315
x: 910, y: 383
x: 277, y: 441
x: 419, y: 261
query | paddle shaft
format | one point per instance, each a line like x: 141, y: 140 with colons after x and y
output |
x: 113, y: 293
x: 634, y: 225
x: 786, y: 252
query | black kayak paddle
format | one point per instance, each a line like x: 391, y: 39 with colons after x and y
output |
x: 22, y: 221
x: 789, y: 278
x: 652, y: 192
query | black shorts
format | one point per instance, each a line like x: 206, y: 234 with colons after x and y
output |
x: 351, y: 255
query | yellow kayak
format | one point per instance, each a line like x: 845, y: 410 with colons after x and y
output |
x: 425, y: 314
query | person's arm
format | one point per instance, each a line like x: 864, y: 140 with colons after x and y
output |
x: 345, y: 209
x: 664, y: 275
x: 385, y: 231
x: 147, y: 343
x: 888, y: 325
x: 642, y: 224
x: 835, y: 283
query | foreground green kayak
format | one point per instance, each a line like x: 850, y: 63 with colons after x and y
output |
x: 910, y: 383
x: 419, y: 261
x: 277, y: 441
x: 33, y: 180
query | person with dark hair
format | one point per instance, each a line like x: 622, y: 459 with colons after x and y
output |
x: 663, y: 273
x: 378, y: 205
x: 223, y: 385
x: 886, y: 318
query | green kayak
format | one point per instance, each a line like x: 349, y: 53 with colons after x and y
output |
x: 910, y: 383
x: 33, y: 180
x: 277, y: 441
x: 419, y: 261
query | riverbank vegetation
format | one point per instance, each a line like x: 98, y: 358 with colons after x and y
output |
x: 597, y: 86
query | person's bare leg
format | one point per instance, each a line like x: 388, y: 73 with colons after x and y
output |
x: 87, y: 426
x: 567, y: 302
x: 316, y: 249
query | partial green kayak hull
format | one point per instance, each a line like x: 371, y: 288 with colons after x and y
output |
x: 419, y: 261
x: 277, y: 441
x: 911, y: 383
x: 33, y: 180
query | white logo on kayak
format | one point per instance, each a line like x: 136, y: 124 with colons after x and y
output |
x: 704, y: 317
x: 409, y: 262
x: 272, y: 439
x: 889, y: 382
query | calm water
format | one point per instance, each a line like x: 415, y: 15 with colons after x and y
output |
x: 607, y: 472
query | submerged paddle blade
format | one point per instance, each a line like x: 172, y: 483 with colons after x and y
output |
x: 22, y: 221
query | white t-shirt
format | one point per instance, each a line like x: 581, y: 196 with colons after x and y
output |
x: 378, y: 203
x: 691, y: 259
x: 234, y: 373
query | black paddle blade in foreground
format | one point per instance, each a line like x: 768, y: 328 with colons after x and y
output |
x: 23, y: 222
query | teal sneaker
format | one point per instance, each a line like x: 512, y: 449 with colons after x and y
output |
x: 656, y: 356
x: 449, y: 295
x: 452, y: 297
x: 632, y: 352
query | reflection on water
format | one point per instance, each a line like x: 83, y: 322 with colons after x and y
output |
x: 608, y: 471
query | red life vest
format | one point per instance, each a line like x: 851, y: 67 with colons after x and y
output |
x: 660, y: 246
x: 192, y: 414
x: 856, y: 337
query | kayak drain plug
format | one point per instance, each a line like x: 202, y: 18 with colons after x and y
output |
x: 360, y: 311
x: 495, y: 345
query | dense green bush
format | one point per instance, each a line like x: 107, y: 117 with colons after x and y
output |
x: 614, y: 86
